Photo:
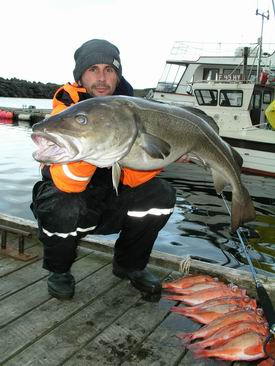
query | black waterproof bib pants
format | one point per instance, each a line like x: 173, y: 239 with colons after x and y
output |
x: 137, y: 214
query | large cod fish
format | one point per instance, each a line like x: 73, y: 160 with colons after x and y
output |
x: 120, y: 131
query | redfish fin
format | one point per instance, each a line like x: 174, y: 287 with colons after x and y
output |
x: 155, y: 147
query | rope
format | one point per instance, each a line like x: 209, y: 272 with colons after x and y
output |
x: 184, y: 265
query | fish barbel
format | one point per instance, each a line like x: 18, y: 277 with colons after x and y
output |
x: 245, y: 347
x: 229, y: 332
x: 120, y: 131
x: 209, y: 329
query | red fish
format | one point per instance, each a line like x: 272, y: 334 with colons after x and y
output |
x: 244, y: 302
x: 199, y: 297
x: 188, y: 281
x: 206, y: 316
x: 196, y: 287
x: 232, y: 330
x: 223, y: 321
x: 245, y: 347
x: 267, y: 362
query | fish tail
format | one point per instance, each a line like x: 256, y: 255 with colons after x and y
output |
x: 242, y: 210
x: 201, y: 353
x: 186, y: 338
x: 178, y: 310
x: 196, y: 346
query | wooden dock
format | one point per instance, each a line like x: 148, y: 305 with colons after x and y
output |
x: 31, y: 115
x: 108, y: 322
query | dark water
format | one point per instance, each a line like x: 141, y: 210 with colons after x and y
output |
x: 199, y: 226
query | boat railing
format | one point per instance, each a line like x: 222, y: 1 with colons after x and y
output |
x: 263, y: 126
x: 229, y: 81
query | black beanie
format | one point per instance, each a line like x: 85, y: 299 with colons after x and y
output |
x: 96, y: 51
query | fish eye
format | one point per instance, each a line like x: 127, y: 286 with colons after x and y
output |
x: 81, y: 118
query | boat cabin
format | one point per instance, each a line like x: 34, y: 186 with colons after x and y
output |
x: 221, y: 86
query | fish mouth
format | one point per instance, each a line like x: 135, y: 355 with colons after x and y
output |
x: 53, y: 148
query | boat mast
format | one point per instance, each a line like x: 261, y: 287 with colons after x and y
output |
x: 260, y: 42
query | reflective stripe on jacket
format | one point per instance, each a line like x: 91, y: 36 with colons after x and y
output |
x: 75, y: 176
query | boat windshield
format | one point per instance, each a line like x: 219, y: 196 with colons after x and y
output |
x: 170, y: 78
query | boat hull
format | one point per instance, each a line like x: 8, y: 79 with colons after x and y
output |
x: 258, y: 155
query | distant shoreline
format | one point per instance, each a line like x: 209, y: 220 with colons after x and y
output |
x: 26, y: 89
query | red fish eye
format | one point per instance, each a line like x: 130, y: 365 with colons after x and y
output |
x: 81, y: 118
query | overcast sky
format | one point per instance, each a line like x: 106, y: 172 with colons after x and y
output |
x: 39, y: 37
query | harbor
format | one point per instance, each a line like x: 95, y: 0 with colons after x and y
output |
x: 205, y: 122
x: 29, y: 114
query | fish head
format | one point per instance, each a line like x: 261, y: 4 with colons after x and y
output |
x: 99, y: 130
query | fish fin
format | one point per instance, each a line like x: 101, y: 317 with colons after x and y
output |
x: 116, y: 172
x: 237, y: 157
x: 197, y: 160
x: 204, y: 116
x: 219, y: 181
x: 242, y: 210
x: 154, y: 146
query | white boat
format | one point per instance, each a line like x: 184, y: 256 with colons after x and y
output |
x: 235, y: 91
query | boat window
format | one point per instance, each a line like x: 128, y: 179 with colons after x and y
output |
x: 257, y: 100
x: 267, y: 97
x: 210, y: 74
x: 206, y: 96
x: 231, y: 98
x: 170, y: 78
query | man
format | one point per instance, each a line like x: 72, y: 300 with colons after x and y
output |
x: 77, y: 198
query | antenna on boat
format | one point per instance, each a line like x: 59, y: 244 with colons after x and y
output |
x: 260, y: 41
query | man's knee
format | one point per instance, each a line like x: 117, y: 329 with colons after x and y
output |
x: 159, y: 193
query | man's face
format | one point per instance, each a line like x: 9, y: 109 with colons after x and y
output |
x: 100, y: 80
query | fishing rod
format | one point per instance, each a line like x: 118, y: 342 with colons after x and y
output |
x: 263, y: 296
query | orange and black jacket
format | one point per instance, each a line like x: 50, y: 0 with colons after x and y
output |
x: 74, y: 177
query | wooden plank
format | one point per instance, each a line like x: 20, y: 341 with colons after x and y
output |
x: 17, y: 280
x: 18, y: 223
x: 29, y: 297
x: 8, y: 265
x: 190, y: 360
x: 44, y: 318
x: 122, y: 337
x: 161, y: 347
x: 25, y: 276
x: 68, y: 337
